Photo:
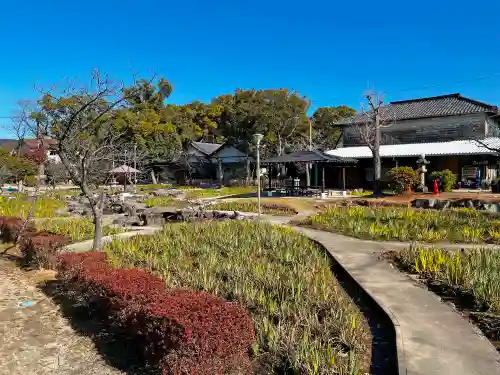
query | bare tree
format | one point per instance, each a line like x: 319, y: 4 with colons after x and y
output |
x: 27, y: 122
x: 370, y: 128
x: 80, y: 118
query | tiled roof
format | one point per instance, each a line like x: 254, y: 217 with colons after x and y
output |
x: 465, y: 147
x: 436, y: 106
x: 307, y: 156
x: 206, y: 148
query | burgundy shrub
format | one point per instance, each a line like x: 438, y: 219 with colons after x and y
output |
x: 40, y: 249
x: 10, y: 227
x: 183, y: 331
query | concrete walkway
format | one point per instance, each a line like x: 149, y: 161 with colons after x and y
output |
x: 432, y: 337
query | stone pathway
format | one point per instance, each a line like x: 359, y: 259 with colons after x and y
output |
x: 39, y: 340
x: 432, y: 338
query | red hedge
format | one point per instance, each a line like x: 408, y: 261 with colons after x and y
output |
x: 182, y: 331
x: 40, y: 249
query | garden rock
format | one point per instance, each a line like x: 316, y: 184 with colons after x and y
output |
x: 61, y: 211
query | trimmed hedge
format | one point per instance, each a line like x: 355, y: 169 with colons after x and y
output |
x: 403, y: 179
x: 447, y: 177
x: 180, y: 331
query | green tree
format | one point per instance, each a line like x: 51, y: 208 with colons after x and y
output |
x: 326, y: 133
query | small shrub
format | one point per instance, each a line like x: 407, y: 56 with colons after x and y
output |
x: 181, y: 331
x: 30, y: 180
x: 403, y: 178
x: 40, y: 249
x: 447, y: 177
x: 10, y: 227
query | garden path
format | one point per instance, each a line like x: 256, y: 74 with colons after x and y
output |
x: 38, y: 339
x: 432, y: 338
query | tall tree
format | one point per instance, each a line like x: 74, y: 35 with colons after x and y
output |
x: 369, y: 128
x: 82, y: 119
x: 280, y: 115
x: 326, y: 133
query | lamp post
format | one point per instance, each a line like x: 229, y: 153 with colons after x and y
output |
x: 257, y: 138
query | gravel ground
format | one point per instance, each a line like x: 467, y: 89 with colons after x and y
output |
x: 38, y: 339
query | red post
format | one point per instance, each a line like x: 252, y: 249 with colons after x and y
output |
x: 436, y: 187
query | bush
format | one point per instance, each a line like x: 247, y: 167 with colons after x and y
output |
x: 181, y: 331
x: 10, y: 227
x: 447, y: 177
x: 40, y: 249
x: 403, y: 179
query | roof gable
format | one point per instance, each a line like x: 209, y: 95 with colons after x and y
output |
x: 206, y: 148
x: 435, y: 106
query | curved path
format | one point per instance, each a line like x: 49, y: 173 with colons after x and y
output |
x: 432, y: 337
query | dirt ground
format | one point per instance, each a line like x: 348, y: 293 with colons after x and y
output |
x: 38, y: 339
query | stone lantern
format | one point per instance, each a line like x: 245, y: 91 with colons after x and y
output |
x: 422, y: 162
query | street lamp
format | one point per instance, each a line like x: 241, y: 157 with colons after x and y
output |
x: 257, y: 138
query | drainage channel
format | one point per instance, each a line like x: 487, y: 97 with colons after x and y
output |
x: 384, y: 359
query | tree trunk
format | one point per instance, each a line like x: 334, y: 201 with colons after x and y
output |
x: 97, y: 213
x: 377, y: 163
x: 153, y: 177
x: 308, y: 175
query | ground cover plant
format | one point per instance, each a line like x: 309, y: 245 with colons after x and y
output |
x: 407, y: 224
x: 19, y: 206
x: 252, y: 206
x: 470, y: 278
x: 165, y: 202
x: 75, y: 229
x: 181, y: 331
x: 152, y: 187
x: 304, y: 322
x: 230, y: 190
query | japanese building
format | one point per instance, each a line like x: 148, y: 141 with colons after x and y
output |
x: 452, y: 131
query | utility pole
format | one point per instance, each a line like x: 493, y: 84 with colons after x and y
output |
x: 257, y: 138
x: 135, y: 167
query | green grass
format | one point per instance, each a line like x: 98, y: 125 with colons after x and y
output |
x: 45, y: 206
x: 152, y: 187
x: 207, y: 193
x: 304, y: 321
x: 406, y: 224
x: 252, y: 206
x: 76, y: 229
x: 474, y: 272
x: 164, y: 202
x: 63, y: 193
x: 359, y: 193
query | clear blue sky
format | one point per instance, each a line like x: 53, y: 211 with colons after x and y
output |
x: 327, y: 51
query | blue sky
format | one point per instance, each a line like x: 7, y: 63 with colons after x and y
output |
x: 327, y: 51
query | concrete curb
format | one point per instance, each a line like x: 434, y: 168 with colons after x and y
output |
x: 400, y: 350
